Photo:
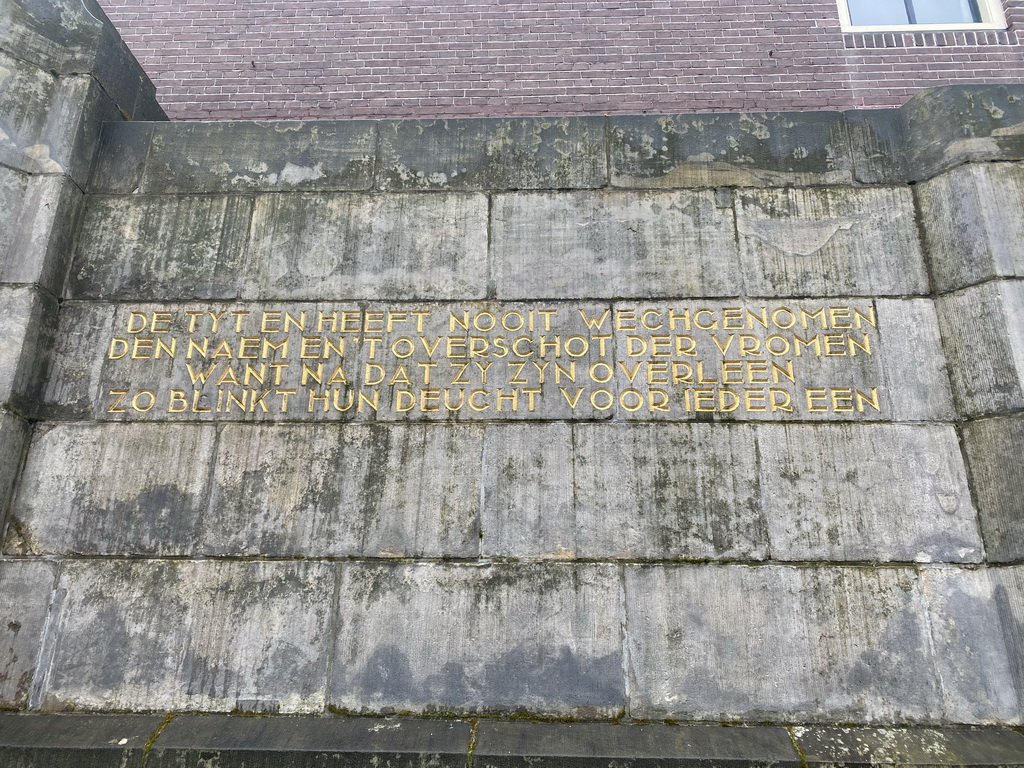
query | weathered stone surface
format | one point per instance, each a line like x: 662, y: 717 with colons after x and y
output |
x: 750, y: 149
x: 109, y: 489
x: 608, y: 244
x: 713, y: 642
x: 866, y: 492
x: 75, y: 741
x: 492, y: 153
x: 12, y: 195
x: 507, y: 744
x: 76, y: 367
x: 974, y: 661
x: 197, y: 157
x: 43, y: 224
x: 856, y: 747
x: 876, y: 142
x: 461, y: 639
x: 368, y: 247
x: 210, y: 635
x: 370, y: 490
x: 14, y: 432
x: 1009, y: 601
x: 312, y: 743
x: 162, y: 247
x: 829, y: 242
x: 28, y: 316
x: 993, y: 449
x: 973, y: 219
x: 983, y: 336
x: 26, y: 100
x: 25, y: 589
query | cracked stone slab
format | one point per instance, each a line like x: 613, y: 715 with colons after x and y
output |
x: 992, y: 447
x: 492, y: 153
x: 542, y: 638
x: 312, y: 743
x: 105, y: 489
x: 757, y: 643
x: 206, y: 635
x: 749, y: 149
x: 161, y: 247
x: 349, y: 246
x: 867, y: 493
x: 983, y: 336
x: 503, y: 744
x: 830, y: 242
x: 973, y: 219
x: 608, y: 244
x: 25, y: 591
x: 234, y: 157
x: 374, y: 490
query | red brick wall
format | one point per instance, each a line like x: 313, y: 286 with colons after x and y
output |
x: 223, y: 59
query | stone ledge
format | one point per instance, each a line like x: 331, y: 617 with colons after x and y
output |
x: 153, y: 741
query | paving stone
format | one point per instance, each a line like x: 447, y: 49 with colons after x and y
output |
x: 750, y: 149
x: 977, y: 667
x: 835, y: 241
x: 374, y: 490
x: 506, y: 744
x: 863, y: 747
x: 972, y: 222
x: 113, y: 489
x: 983, y: 336
x: 866, y: 492
x: 75, y: 741
x: 492, y: 153
x: 608, y: 244
x: 769, y: 643
x: 196, y: 157
x: 350, y: 246
x: 161, y: 247
x: 992, y: 447
x: 311, y: 742
x: 29, y: 317
x: 185, y: 635
x: 25, y: 589
x: 463, y: 639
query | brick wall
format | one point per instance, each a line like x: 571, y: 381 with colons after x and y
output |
x: 224, y: 59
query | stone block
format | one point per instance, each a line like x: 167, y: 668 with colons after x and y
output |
x: 311, y: 742
x: 39, y: 240
x: 12, y: 196
x: 26, y: 101
x: 577, y: 745
x: 1009, y: 601
x: 161, y: 247
x: 113, y: 489
x: 866, y: 493
x: 452, y: 638
x: 983, y: 336
x: 724, y: 150
x: 233, y: 157
x: 837, y: 241
x: 75, y: 741
x: 80, y: 349
x: 757, y: 643
x: 637, y: 492
x: 185, y: 635
x: 375, y: 490
x: 973, y: 222
x: 876, y: 142
x: 973, y: 658
x: 28, y: 316
x: 492, y: 153
x: 25, y: 590
x: 611, y: 244
x: 933, y: 747
x: 350, y: 246
x: 14, y: 434
x: 993, y: 450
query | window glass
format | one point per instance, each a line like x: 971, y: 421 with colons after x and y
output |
x: 945, y: 12
x: 890, y: 13
x: 899, y: 13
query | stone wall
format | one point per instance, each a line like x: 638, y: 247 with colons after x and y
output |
x: 653, y: 418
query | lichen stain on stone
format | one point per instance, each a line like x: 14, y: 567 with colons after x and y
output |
x: 794, y: 238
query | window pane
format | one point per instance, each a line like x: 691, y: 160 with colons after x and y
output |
x: 881, y: 12
x: 945, y: 12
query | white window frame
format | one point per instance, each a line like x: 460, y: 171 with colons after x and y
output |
x: 992, y: 17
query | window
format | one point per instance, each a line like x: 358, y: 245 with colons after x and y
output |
x: 920, y: 15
